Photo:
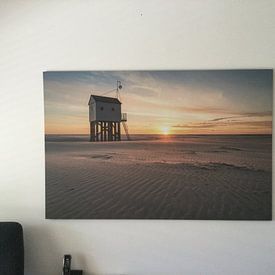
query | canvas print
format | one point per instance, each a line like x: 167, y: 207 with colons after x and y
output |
x: 159, y: 144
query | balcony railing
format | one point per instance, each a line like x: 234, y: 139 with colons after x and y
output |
x: 123, y: 117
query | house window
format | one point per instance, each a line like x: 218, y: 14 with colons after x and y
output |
x: 113, y: 109
x: 101, y: 108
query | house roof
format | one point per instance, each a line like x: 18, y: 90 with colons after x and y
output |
x: 104, y: 99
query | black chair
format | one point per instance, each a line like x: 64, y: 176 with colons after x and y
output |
x: 11, y: 249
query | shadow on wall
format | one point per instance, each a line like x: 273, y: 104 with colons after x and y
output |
x: 45, y: 247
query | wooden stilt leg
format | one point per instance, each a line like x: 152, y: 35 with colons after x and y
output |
x: 101, y: 131
x: 104, y: 131
x: 96, y: 131
x: 113, y: 128
x: 115, y: 131
x: 92, y: 131
x: 119, y: 132
x: 109, y: 131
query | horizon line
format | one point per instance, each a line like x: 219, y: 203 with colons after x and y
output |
x: 218, y: 134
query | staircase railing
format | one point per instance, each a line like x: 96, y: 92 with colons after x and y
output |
x: 123, y: 117
x: 126, y: 130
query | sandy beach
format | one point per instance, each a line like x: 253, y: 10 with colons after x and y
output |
x: 170, y: 177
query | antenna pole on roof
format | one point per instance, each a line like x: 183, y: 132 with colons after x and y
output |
x: 118, y: 87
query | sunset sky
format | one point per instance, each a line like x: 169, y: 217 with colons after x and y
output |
x: 165, y: 102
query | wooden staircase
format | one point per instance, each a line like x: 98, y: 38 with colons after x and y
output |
x: 125, y: 126
x: 126, y: 130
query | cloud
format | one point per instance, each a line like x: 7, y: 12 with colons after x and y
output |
x: 248, y: 124
x: 195, y: 125
x: 258, y: 114
x: 203, y: 110
x: 245, y: 115
x: 142, y: 90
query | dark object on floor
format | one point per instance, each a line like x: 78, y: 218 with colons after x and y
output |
x: 67, y: 259
x: 67, y: 264
x: 11, y: 248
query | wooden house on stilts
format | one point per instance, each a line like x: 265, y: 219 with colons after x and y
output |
x: 105, y: 119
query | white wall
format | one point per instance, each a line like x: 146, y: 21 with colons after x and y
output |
x: 84, y: 35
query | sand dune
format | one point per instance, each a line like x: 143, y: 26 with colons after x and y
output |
x: 188, y: 178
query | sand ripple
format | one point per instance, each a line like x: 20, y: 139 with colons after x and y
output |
x: 156, y: 182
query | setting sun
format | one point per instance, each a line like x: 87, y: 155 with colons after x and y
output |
x: 165, y: 131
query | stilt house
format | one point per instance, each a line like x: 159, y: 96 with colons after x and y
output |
x: 105, y: 118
